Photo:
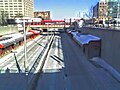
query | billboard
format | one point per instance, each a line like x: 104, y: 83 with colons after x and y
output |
x: 44, y: 15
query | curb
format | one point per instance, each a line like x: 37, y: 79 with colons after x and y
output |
x: 107, y: 67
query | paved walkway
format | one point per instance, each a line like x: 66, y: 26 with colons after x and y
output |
x: 66, y: 68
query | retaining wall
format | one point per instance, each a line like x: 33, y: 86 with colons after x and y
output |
x: 110, y: 50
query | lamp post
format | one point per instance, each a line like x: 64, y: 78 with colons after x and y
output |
x: 22, y: 25
x: 25, y: 48
x: 25, y: 55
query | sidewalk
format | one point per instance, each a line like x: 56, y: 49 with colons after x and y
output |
x: 73, y: 71
x: 101, y: 63
x: 53, y: 69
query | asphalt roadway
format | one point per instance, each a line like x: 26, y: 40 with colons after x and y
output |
x: 66, y: 68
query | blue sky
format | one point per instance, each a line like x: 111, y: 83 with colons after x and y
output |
x: 61, y: 9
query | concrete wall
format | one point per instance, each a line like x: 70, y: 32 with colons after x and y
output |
x: 110, y: 50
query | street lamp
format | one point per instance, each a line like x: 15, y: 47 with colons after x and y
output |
x: 22, y: 24
x: 25, y: 48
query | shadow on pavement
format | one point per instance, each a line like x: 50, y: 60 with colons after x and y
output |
x: 55, y: 59
x: 52, y: 79
x: 10, y: 80
x: 58, y: 58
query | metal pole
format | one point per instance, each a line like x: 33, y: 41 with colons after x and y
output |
x: 64, y: 23
x: 25, y: 49
x: 118, y: 14
x: 79, y: 14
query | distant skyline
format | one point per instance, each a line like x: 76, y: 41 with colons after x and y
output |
x: 61, y: 9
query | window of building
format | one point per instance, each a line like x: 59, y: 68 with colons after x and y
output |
x: 11, y: 14
x: 6, y: 1
x: 15, y: 8
x: 15, y: 0
x: 20, y: 8
x: 16, y: 12
x: 1, y: 4
x: 6, y: 4
x: 10, y: 0
x: 11, y: 11
x: 19, y: 0
x: 6, y: 8
x: 11, y: 8
x: 15, y: 4
x: 1, y: 0
x: 20, y: 12
x: 10, y: 4
x: 19, y: 4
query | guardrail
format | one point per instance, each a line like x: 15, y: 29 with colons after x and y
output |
x: 49, y: 26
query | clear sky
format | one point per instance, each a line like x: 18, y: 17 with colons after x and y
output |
x: 61, y: 9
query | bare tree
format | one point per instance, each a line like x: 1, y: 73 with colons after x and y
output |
x: 89, y: 13
x: 4, y: 17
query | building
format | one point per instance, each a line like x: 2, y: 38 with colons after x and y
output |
x: 100, y: 11
x: 95, y: 10
x: 113, y: 9
x: 44, y: 15
x: 106, y: 10
x: 14, y: 8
